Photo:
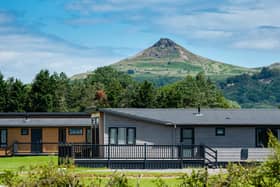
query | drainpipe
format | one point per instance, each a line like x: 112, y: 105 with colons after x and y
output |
x: 174, y: 134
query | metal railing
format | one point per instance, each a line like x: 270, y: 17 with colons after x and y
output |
x: 131, y: 152
x: 210, y: 156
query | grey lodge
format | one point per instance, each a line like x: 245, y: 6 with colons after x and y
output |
x: 237, y: 135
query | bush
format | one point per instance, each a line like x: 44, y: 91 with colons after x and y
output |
x: 195, y: 179
x: 41, y: 175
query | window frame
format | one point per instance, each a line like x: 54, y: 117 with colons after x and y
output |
x: 3, y: 145
x: 220, y: 128
x: 134, y: 135
x: 24, y: 129
x: 117, y: 135
x: 75, y: 134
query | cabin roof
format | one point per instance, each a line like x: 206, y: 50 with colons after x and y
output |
x: 44, y: 119
x: 172, y: 116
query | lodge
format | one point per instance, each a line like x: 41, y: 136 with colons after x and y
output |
x: 143, y: 138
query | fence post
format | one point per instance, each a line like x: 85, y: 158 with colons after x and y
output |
x: 203, y: 149
x: 108, y: 161
x: 145, y: 155
x: 181, y: 155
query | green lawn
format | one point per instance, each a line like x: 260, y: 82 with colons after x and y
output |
x: 19, y: 161
x: 89, y: 174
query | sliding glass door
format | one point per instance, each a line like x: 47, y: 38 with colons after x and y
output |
x: 187, y: 139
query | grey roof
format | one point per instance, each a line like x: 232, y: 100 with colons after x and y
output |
x: 44, y: 114
x: 206, y: 117
x: 44, y: 119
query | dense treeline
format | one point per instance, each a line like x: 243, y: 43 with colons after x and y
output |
x: 258, y: 90
x: 106, y: 87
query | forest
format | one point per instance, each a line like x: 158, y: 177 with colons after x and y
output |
x: 106, y: 87
x: 259, y: 90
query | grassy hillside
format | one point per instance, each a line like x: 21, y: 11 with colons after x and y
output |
x: 166, y: 62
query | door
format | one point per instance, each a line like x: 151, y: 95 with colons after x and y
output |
x: 36, y: 140
x: 62, y: 135
x: 187, y: 139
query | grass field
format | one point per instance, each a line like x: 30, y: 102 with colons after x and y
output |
x: 89, y: 174
x: 12, y: 163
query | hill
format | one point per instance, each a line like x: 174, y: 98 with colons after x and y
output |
x: 166, y: 62
x: 260, y: 90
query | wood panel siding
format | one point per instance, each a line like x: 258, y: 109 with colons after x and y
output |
x: 76, y: 138
x: 50, y: 135
x: 14, y: 135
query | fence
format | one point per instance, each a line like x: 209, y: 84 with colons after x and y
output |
x: 91, y: 155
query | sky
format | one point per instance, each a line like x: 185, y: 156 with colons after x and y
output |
x: 75, y: 36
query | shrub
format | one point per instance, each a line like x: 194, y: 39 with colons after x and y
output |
x: 118, y: 180
x: 195, y: 179
x: 41, y: 175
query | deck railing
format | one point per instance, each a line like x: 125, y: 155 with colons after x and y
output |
x: 135, y: 156
x: 89, y: 151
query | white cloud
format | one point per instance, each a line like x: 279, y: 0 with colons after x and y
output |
x: 24, y: 53
x: 258, y: 44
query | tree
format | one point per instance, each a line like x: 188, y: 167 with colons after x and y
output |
x: 42, y: 91
x: 145, y: 95
x: 17, y: 95
x: 3, y: 93
x: 60, y: 85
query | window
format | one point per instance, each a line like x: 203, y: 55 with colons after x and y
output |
x: 187, y: 136
x: 262, y: 136
x: 88, y: 136
x: 113, y: 134
x: 122, y: 135
x: 24, y: 131
x: 131, y: 136
x: 76, y: 131
x: 220, y: 131
x: 3, y: 137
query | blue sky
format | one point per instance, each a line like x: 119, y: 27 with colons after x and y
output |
x: 75, y: 36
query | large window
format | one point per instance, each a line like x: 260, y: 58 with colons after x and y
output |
x: 3, y: 137
x: 187, y: 136
x: 262, y: 136
x: 75, y: 131
x: 122, y: 136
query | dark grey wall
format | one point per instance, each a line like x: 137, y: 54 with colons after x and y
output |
x: 234, y: 136
x: 152, y: 133
x: 145, y: 132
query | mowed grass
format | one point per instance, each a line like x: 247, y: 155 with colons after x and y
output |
x: 88, y: 175
x: 15, y: 162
